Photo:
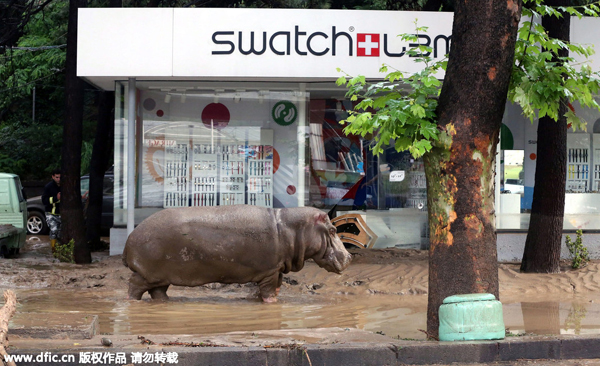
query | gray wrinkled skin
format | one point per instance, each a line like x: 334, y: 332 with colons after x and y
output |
x: 194, y: 246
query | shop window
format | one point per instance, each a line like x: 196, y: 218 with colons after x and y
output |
x: 517, y: 165
x: 207, y: 146
x: 336, y: 160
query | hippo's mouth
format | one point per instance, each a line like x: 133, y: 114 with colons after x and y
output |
x: 332, y: 263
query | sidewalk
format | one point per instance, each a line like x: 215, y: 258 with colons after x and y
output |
x: 312, y: 347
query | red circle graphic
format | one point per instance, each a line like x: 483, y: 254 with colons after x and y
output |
x: 218, y: 113
x: 290, y: 190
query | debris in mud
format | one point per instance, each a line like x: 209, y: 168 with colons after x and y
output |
x: 289, y: 346
x: 290, y: 281
x: 354, y: 283
x: 146, y: 341
x: 6, y: 312
x: 192, y: 344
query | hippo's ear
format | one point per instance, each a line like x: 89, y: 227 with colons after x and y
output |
x: 321, y: 218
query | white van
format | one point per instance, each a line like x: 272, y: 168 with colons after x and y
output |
x: 13, y: 215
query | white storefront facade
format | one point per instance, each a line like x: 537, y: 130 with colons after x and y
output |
x: 239, y: 106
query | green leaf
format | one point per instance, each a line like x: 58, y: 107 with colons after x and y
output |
x: 417, y: 110
x: 341, y: 81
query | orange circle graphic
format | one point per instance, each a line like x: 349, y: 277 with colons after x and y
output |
x: 532, y: 156
x: 276, y: 160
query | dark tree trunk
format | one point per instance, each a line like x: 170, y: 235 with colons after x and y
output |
x: 98, y: 165
x: 460, y: 168
x: 71, y: 208
x: 542, y: 247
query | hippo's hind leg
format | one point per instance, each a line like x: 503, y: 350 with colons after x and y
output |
x: 137, y: 286
x: 268, y: 287
x: 159, y: 293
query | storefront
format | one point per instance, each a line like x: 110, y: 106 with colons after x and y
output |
x: 239, y: 106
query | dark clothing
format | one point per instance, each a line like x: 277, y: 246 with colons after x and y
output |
x: 50, y: 199
x: 54, y: 224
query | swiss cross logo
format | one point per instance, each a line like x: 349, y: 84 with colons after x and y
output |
x: 367, y: 44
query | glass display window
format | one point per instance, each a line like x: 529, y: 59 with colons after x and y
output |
x: 200, y: 145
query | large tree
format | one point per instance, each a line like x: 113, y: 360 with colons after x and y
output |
x: 460, y: 166
x: 457, y: 137
x: 71, y: 207
x: 545, y: 78
x: 101, y: 156
x: 542, y: 247
x: 14, y: 16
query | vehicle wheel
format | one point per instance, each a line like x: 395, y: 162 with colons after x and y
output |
x: 36, y: 223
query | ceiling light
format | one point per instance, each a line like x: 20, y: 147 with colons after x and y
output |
x: 216, y: 98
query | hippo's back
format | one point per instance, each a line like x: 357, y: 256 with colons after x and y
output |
x: 195, y: 245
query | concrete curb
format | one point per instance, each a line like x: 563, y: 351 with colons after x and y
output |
x: 349, y: 354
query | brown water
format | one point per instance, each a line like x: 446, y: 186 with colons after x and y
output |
x: 192, y: 311
x: 189, y: 315
x: 395, y: 316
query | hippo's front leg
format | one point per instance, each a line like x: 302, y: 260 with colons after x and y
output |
x: 279, y: 282
x: 269, y: 287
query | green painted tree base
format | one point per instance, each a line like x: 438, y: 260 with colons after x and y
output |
x: 471, y: 317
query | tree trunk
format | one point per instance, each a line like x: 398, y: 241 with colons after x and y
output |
x: 71, y: 208
x: 460, y: 167
x: 542, y: 247
x: 98, y: 165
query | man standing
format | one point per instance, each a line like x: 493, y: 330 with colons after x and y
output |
x: 51, y: 201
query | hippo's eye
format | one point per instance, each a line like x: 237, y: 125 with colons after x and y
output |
x: 332, y: 231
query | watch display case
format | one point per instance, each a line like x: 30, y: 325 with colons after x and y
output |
x: 232, y: 171
x: 596, y: 163
x: 578, y: 163
x: 224, y: 171
x: 204, y: 175
x: 176, y: 175
x: 260, y: 176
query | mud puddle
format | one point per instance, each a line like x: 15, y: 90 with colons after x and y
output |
x: 383, y: 292
x: 210, y: 315
x: 389, y: 315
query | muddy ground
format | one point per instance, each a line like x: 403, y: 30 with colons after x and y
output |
x: 376, y: 271
x: 35, y: 267
x: 383, y: 291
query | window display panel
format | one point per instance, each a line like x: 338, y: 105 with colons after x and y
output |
x: 582, y: 200
x: 209, y: 147
x: 120, y: 156
x: 336, y: 160
x: 387, y: 191
x: 402, y: 201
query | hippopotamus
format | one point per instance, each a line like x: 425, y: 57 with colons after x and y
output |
x: 193, y: 246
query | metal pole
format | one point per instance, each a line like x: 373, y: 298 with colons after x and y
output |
x: 303, y: 130
x: 131, y: 158
x: 33, y: 107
